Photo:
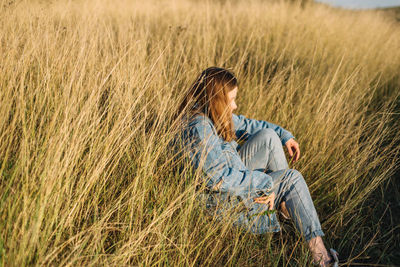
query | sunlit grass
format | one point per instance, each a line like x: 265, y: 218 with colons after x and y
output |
x: 87, y: 96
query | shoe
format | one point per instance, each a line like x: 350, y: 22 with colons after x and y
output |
x: 335, y: 259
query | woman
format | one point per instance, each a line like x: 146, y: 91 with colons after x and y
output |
x: 254, y: 174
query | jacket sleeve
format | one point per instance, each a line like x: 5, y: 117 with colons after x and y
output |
x: 245, y: 127
x: 205, y: 152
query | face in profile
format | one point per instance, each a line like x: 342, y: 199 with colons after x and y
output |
x: 232, y: 99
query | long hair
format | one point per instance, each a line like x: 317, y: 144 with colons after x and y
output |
x: 209, y: 96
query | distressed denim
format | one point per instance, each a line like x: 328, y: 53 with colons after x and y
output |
x: 241, y: 170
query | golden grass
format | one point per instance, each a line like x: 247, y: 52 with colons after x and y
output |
x: 87, y: 93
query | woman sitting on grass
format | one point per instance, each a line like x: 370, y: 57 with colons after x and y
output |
x: 255, y: 174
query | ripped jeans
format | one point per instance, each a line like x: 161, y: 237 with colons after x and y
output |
x: 264, y: 152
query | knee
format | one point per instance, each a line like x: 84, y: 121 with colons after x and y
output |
x: 295, y: 176
x: 268, y: 136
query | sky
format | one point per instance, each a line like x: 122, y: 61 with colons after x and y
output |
x: 362, y: 3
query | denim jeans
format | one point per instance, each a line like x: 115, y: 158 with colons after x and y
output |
x: 263, y: 151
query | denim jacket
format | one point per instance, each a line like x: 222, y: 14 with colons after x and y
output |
x: 220, y: 160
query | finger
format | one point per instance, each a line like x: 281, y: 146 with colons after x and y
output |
x: 269, y: 202
x: 262, y: 201
x: 290, y: 151
x: 271, y: 205
x: 297, y: 152
x: 272, y: 201
x: 295, y: 155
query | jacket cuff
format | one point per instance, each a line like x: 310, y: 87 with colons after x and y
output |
x: 286, y: 137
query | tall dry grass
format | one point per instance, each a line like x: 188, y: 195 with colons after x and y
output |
x: 87, y: 94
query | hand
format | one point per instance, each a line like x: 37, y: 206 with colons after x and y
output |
x: 269, y: 200
x: 294, y: 149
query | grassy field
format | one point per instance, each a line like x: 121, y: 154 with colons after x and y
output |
x: 87, y: 96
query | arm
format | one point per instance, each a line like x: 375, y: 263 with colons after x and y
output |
x: 205, y: 152
x: 245, y: 126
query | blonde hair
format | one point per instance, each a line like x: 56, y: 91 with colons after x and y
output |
x: 209, y: 96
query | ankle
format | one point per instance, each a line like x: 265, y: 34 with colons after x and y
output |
x: 319, y: 252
